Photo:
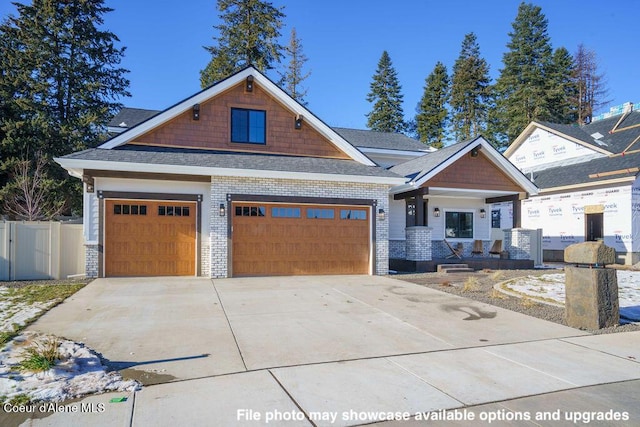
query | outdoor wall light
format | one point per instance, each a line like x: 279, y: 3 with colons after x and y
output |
x: 298, y: 122
x: 223, y: 210
x: 196, y: 112
x: 483, y: 213
x: 474, y: 151
x: 381, y: 214
x: 436, y: 212
x: 249, y: 84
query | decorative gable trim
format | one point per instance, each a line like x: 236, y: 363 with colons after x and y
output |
x: 492, y: 155
x: 271, y: 88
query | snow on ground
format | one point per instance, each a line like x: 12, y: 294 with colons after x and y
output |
x: 79, y: 372
x: 549, y: 288
x: 16, y: 312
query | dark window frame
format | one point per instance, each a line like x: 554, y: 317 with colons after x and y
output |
x: 243, y: 120
x: 459, y: 231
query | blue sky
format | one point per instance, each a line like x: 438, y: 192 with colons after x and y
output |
x: 344, y: 39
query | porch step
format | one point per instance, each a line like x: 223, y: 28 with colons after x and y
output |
x: 453, y: 268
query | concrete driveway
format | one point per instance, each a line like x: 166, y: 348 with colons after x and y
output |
x: 307, y: 348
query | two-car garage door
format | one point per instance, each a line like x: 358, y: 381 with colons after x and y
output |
x: 158, y: 238
x: 289, y: 239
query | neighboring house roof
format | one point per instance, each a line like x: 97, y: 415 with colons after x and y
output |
x: 424, y: 168
x: 602, y: 170
x: 614, y: 157
x: 207, y: 162
x: 218, y: 88
x: 129, y: 117
x: 612, y: 135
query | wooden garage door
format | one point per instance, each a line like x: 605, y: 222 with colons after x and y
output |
x: 284, y: 239
x: 150, y: 238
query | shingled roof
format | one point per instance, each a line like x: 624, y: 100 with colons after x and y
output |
x: 604, y: 134
x: 591, y: 171
x: 381, y: 140
x: 228, y: 160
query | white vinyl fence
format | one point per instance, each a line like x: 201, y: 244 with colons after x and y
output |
x: 40, y: 250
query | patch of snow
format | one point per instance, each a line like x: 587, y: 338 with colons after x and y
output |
x: 79, y: 372
x: 551, y: 287
x: 14, y: 312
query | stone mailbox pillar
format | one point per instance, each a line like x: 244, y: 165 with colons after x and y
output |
x: 591, y: 300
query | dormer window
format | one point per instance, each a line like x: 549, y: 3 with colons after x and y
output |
x: 248, y: 126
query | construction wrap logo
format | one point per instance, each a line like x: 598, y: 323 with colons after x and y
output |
x: 635, y: 206
x: 521, y: 158
x: 611, y: 207
x: 533, y: 213
x: 559, y: 149
x: 577, y: 210
x: 534, y: 138
x: 546, y: 239
x: 555, y: 211
x: 538, y: 154
x: 567, y: 238
x: 622, y: 238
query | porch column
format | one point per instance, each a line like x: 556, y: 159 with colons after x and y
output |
x: 418, y: 243
x: 517, y: 241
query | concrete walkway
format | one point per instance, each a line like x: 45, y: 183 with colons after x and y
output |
x: 338, y: 351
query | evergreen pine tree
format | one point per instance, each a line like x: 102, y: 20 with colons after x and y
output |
x: 294, y: 75
x: 522, y: 87
x: 248, y: 35
x: 591, y: 85
x: 562, y: 88
x: 470, y: 88
x: 432, y: 117
x: 387, y: 114
x: 60, y: 81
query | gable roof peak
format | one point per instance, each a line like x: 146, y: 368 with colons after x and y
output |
x: 219, y: 87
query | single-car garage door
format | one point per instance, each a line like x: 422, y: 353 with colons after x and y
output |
x: 289, y: 239
x: 150, y: 238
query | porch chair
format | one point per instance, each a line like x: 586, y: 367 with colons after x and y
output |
x: 478, y: 248
x: 455, y: 252
x: 496, y: 248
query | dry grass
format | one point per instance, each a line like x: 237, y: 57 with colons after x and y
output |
x: 496, y: 294
x: 470, y: 285
x: 527, y: 302
x: 446, y: 284
x: 497, y: 276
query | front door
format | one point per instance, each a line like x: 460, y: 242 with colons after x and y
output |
x: 593, y: 227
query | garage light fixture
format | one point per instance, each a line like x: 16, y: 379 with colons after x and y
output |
x: 196, y: 112
x: 249, y: 84
x: 223, y: 210
x: 483, y: 213
x: 436, y: 212
x: 298, y: 122
x: 381, y: 214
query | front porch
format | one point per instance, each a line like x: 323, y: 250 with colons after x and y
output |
x: 420, y: 253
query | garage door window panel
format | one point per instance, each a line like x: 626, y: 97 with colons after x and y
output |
x: 320, y: 213
x: 285, y: 212
x: 355, y: 214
